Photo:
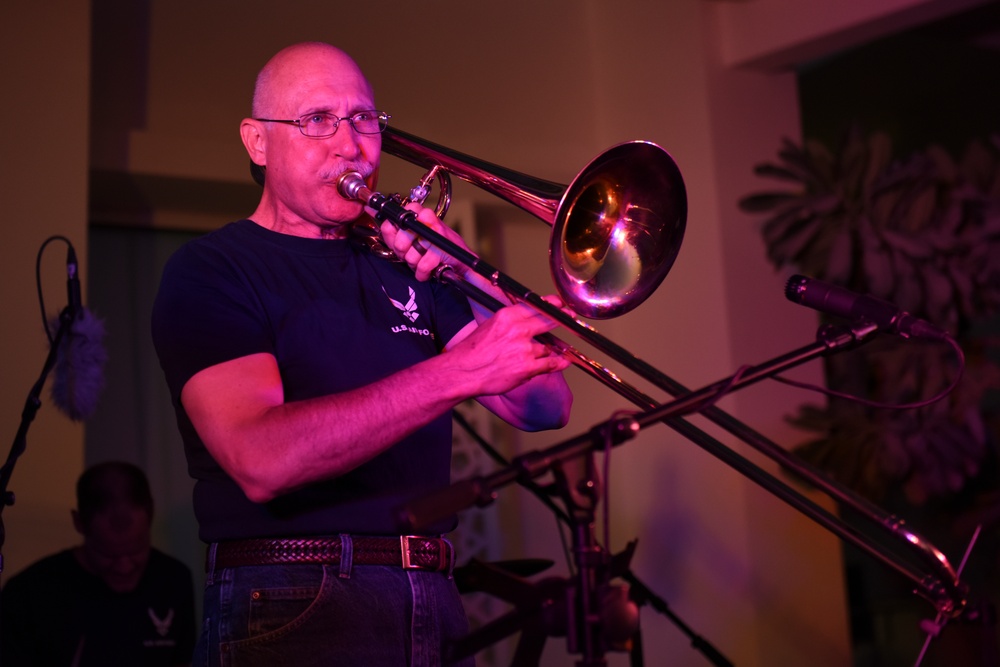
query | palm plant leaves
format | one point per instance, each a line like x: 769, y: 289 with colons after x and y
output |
x: 924, y: 233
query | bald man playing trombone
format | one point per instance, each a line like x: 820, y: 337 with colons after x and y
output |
x: 313, y: 383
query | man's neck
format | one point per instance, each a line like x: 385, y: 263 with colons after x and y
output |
x: 279, y: 221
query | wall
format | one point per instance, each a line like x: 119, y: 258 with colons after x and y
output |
x: 777, y: 34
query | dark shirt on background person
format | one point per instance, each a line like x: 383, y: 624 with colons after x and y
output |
x: 112, y: 600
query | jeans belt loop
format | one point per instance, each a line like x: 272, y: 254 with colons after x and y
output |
x: 451, y: 558
x: 210, y: 563
x: 346, y: 556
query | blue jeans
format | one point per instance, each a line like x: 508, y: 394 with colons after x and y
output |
x: 302, y: 615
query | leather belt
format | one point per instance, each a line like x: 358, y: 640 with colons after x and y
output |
x: 410, y: 552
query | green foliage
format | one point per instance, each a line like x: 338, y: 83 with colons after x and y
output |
x: 923, y: 233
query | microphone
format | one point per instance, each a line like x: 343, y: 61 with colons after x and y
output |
x: 841, y: 302
x: 79, y: 365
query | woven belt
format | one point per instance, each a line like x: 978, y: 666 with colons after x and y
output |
x: 409, y: 552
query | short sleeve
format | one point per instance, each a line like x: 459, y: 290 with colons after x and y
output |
x: 204, y: 314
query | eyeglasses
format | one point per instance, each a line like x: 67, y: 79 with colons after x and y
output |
x: 322, y: 124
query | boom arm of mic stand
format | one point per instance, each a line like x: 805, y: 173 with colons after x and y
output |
x: 946, y: 593
x: 586, y: 635
x: 481, y: 490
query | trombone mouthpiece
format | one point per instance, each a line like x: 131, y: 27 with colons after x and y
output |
x: 350, y: 184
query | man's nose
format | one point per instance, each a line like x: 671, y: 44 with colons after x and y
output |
x: 347, y: 141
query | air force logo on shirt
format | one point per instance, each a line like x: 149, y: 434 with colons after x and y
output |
x: 162, y: 626
x: 409, y: 311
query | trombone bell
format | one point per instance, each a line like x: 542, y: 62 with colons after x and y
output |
x: 617, y: 230
x: 617, y: 227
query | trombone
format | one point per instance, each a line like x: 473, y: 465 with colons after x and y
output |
x: 616, y: 230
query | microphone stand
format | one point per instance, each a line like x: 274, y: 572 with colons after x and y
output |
x: 589, y: 596
x: 591, y: 561
x: 498, y: 580
x: 31, y: 406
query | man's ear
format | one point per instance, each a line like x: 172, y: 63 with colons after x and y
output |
x: 254, y: 140
x: 77, y: 521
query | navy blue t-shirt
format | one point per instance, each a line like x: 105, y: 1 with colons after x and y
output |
x: 336, y: 318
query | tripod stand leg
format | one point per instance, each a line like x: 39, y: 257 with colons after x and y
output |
x: 635, y: 656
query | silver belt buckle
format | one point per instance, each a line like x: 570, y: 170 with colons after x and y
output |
x: 445, y: 554
x: 404, y: 545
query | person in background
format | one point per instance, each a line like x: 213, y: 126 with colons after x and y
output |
x: 113, y: 600
x: 313, y: 383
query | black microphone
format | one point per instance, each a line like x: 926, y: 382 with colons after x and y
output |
x: 841, y: 302
x: 79, y: 366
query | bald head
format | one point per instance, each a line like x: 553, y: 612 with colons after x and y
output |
x: 296, y: 66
